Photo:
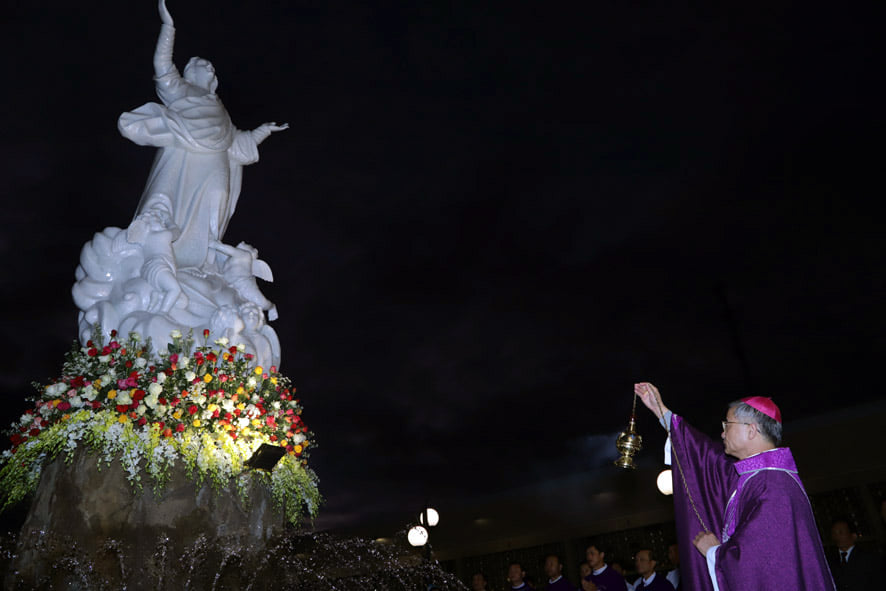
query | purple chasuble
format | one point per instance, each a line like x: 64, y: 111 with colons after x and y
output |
x: 560, y: 584
x: 658, y: 583
x: 758, y: 509
x: 608, y: 580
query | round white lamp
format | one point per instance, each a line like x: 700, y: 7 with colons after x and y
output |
x: 433, y: 517
x: 665, y: 482
x: 417, y: 536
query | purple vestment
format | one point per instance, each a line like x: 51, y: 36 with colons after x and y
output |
x: 658, y: 583
x: 560, y: 584
x: 608, y: 580
x: 758, y: 509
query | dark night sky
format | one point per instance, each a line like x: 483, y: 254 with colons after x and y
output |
x: 487, y: 220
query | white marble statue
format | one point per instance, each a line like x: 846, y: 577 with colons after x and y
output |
x: 169, y: 269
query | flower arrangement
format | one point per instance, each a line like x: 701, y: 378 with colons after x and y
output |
x: 209, y: 407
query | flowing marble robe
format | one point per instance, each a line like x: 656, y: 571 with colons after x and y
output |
x: 759, y: 510
x: 196, y: 176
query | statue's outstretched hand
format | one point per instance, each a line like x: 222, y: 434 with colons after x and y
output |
x: 651, y: 397
x: 164, y: 13
x: 262, y: 132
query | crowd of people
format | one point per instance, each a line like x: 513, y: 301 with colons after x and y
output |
x: 595, y: 574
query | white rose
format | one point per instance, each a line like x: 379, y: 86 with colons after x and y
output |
x: 175, y: 334
x: 241, y: 347
x: 26, y: 419
x: 298, y: 438
x: 200, y: 399
x: 222, y: 341
x: 89, y: 393
x: 189, y: 375
x: 141, y: 409
x: 161, y: 409
x: 141, y: 362
x: 183, y: 362
x: 161, y: 377
x: 206, y: 415
x: 228, y: 405
x: 242, y: 422
x: 151, y: 400
x: 104, y: 358
x: 75, y: 401
x: 155, y: 389
x: 123, y: 397
x: 250, y: 382
x: 275, y: 405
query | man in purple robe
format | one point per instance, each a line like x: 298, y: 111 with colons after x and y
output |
x: 603, y: 577
x: 554, y: 571
x: 649, y: 580
x: 766, y: 537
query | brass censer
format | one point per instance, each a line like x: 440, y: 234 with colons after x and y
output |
x: 629, y: 442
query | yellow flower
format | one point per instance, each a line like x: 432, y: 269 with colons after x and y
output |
x: 256, y: 422
x: 97, y: 384
x: 274, y: 381
x: 241, y: 406
x: 304, y: 443
x: 56, y: 402
x: 212, y: 407
x: 196, y: 422
x: 112, y: 394
x: 207, y: 378
x: 66, y: 417
x: 123, y: 418
x: 259, y: 370
x: 240, y: 390
x: 177, y: 415
x: 297, y: 449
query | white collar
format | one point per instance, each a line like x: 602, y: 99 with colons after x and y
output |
x: 649, y: 580
x: 600, y: 570
x: 555, y: 580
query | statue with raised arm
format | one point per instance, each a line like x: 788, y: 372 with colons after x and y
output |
x: 169, y: 269
x: 197, y: 173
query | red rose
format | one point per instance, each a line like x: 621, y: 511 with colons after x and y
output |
x: 96, y: 404
x: 179, y: 428
x: 92, y: 352
x: 160, y: 425
x: 173, y: 358
x: 192, y: 409
x: 65, y: 405
x: 106, y: 350
x: 205, y: 333
x: 232, y: 434
x: 17, y: 439
x: 215, y: 414
x: 167, y: 432
x: 121, y: 407
x: 273, y: 438
x: 142, y: 421
x: 34, y: 432
x: 128, y: 363
x: 228, y: 416
x: 162, y: 401
x: 138, y: 394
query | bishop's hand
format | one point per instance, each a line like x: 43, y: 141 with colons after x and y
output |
x: 704, y: 541
x: 651, y: 397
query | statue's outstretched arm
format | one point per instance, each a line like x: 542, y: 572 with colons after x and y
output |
x: 163, y: 52
x: 261, y: 133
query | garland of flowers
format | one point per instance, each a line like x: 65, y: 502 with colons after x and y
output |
x: 208, y: 407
